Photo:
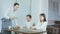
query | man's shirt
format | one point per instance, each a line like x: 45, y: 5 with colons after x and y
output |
x: 10, y: 13
x: 28, y: 24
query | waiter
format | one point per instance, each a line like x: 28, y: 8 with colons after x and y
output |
x: 10, y: 15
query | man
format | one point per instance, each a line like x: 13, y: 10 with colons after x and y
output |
x: 11, y: 15
x: 28, y: 22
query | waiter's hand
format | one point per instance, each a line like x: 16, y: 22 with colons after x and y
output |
x: 16, y: 28
x: 12, y: 18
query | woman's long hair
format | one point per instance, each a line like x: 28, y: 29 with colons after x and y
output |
x: 42, y: 14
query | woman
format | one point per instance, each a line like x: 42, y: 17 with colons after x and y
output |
x: 42, y: 25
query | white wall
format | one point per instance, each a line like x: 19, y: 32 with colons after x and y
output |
x: 0, y: 14
x: 59, y: 10
x: 53, y: 11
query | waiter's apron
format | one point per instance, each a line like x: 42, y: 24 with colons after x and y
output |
x: 5, y: 24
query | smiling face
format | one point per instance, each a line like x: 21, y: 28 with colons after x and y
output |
x: 41, y: 18
x: 16, y: 7
x: 28, y: 19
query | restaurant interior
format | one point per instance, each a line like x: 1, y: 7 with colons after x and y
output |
x: 51, y: 8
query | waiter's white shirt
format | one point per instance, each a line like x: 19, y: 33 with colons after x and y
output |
x: 42, y: 26
x: 11, y: 14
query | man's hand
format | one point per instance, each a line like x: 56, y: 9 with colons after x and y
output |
x: 32, y: 28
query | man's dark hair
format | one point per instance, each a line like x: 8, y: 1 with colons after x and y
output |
x: 29, y: 15
x: 16, y: 4
x: 43, y: 16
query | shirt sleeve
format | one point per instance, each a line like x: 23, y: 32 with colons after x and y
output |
x: 42, y: 26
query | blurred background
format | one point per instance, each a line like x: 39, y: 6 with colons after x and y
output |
x: 34, y: 7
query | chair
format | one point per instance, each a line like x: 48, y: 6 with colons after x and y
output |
x: 5, y: 24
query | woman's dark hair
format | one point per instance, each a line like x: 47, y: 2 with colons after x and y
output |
x: 42, y: 14
x: 29, y: 15
x: 16, y: 4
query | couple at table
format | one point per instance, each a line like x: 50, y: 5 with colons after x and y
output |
x: 41, y: 25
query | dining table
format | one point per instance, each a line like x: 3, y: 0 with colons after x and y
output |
x: 26, y: 31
